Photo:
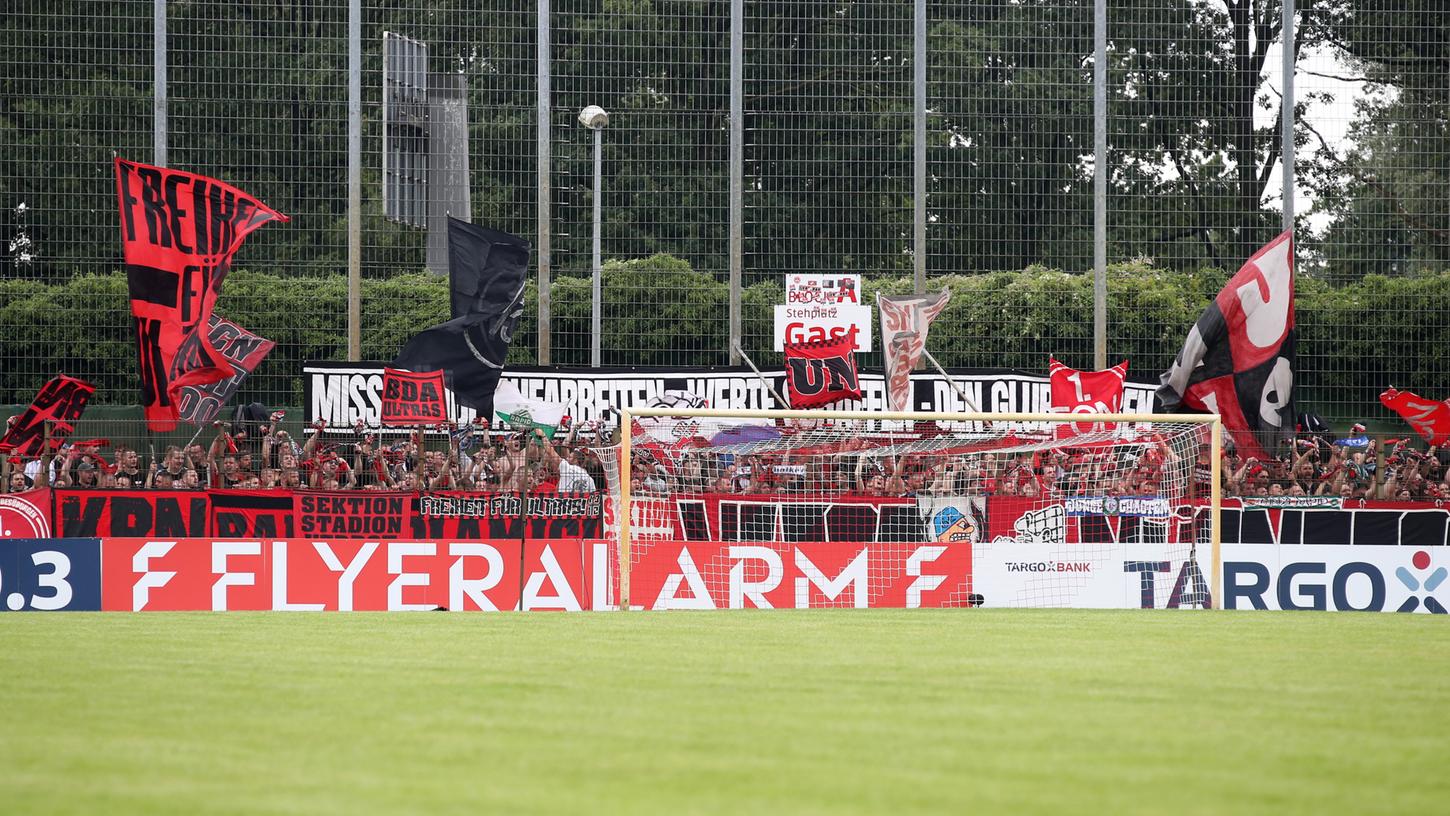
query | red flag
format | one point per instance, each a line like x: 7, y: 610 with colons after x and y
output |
x: 904, y: 323
x: 200, y: 404
x: 1430, y: 419
x: 1086, y: 392
x: 61, y: 401
x: 412, y: 399
x: 179, y: 232
x: 821, y: 372
x: 1238, y: 360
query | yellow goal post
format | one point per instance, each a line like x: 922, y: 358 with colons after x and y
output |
x: 890, y: 428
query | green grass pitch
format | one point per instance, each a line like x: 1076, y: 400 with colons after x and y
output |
x: 829, y: 711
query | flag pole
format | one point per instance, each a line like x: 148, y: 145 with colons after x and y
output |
x: 966, y: 400
x: 763, y: 381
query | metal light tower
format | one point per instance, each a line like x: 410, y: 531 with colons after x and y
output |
x: 595, y: 118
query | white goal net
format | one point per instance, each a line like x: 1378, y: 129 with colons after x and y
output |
x: 723, y: 509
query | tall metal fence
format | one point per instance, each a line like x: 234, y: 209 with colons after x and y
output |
x: 915, y: 144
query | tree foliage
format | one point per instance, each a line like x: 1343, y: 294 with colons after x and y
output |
x: 1000, y: 319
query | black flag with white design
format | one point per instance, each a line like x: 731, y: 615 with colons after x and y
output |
x: 1238, y: 360
x: 487, y: 270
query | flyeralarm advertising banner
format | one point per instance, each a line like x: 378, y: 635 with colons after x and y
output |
x: 142, y: 574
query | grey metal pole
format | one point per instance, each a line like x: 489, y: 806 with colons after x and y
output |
x: 542, y: 214
x: 354, y: 179
x: 918, y: 141
x: 1286, y: 114
x: 737, y: 175
x: 158, y: 83
x: 1100, y: 184
x: 596, y: 329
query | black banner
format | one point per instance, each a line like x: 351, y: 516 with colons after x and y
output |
x: 487, y: 271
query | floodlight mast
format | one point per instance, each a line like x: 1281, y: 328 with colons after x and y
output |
x: 596, y: 119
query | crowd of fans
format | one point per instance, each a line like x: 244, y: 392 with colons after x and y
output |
x: 1357, y: 467
x: 476, y: 459
x: 473, y: 459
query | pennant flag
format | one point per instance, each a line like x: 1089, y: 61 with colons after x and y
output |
x: 1086, y: 392
x: 821, y: 372
x: 61, y: 402
x: 523, y: 413
x: 904, y: 323
x: 179, y: 232
x: 487, y: 270
x: 1238, y: 360
x: 1430, y: 419
x: 202, y: 404
x: 411, y: 399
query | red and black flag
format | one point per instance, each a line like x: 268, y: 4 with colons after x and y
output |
x: 1238, y: 360
x: 179, y: 232
x: 1430, y: 419
x: 201, y: 404
x: 60, y: 402
x: 411, y: 399
x: 487, y: 271
x: 821, y: 372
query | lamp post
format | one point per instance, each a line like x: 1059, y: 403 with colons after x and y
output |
x: 595, y: 118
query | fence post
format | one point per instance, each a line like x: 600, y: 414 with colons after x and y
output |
x: 1286, y: 114
x: 737, y: 172
x: 158, y: 84
x: 354, y: 179
x: 1100, y: 184
x: 918, y: 143
x: 543, y: 208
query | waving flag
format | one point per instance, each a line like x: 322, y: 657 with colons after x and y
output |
x: 821, y: 372
x: 904, y: 323
x: 1085, y: 392
x: 514, y: 409
x: 60, y: 402
x: 179, y: 232
x: 1238, y: 360
x: 487, y: 270
x: 200, y: 404
x: 1430, y: 419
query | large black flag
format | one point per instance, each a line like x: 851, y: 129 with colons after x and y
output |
x: 487, y: 270
x: 1238, y: 360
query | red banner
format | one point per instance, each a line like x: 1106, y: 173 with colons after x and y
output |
x: 25, y: 515
x: 333, y: 515
x: 200, y: 404
x: 821, y: 372
x: 179, y: 232
x: 411, y: 399
x: 725, y: 575
x: 60, y: 402
x: 319, y: 574
x: 1430, y: 419
x: 1086, y: 392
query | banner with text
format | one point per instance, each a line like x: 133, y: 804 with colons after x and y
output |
x: 346, y: 393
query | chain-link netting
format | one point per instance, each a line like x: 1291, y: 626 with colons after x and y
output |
x: 257, y: 95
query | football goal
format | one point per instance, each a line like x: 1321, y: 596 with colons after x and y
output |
x: 714, y: 508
